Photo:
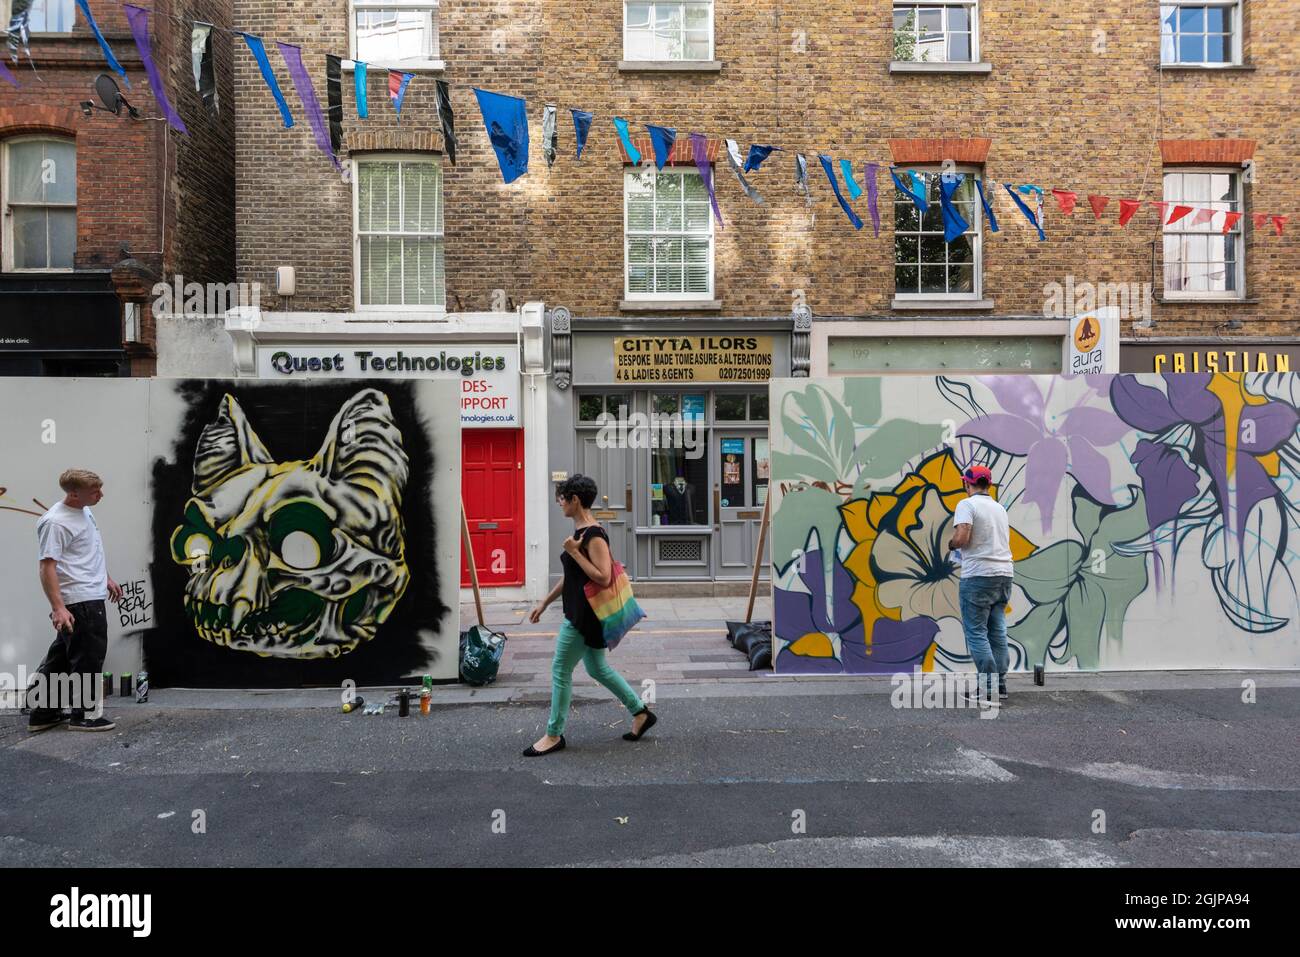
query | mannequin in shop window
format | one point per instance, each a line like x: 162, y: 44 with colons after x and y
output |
x: 680, y: 503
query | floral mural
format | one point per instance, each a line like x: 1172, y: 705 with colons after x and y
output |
x: 1133, y: 500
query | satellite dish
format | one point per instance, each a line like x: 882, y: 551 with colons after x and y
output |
x: 109, y: 93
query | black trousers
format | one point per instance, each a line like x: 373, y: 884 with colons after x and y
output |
x: 78, y: 652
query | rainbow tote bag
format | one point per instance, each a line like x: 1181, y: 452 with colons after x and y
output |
x: 615, y: 606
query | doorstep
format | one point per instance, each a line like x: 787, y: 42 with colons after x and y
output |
x: 698, y: 589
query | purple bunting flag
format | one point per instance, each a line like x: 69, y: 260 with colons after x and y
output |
x: 307, y: 94
x: 139, y: 20
x: 700, y: 152
x: 873, y: 195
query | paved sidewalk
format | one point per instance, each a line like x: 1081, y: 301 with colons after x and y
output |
x: 681, y: 639
x: 681, y: 646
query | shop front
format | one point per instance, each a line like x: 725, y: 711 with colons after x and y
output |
x: 503, y: 444
x: 938, y: 346
x: 64, y: 325
x: 671, y: 420
x: 1086, y: 343
x: 1210, y: 355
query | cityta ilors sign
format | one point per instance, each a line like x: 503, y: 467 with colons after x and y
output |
x: 489, y: 374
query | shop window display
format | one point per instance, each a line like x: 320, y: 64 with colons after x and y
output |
x: 678, y: 488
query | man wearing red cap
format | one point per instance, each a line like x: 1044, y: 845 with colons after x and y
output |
x: 982, y: 543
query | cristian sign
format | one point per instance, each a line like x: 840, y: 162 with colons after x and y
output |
x: 1244, y: 356
x: 488, y: 374
x: 708, y: 358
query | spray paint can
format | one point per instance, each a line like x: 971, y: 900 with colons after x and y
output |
x: 124, y: 684
x: 426, y: 701
x: 108, y: 684
x: 142, y: 688
x: 355, y: 704
x: 428, y: 683
x: 403, y: 703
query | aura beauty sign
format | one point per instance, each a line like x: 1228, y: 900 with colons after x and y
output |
x: 488, y: 373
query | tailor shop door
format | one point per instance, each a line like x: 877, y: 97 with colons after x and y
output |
x: 492, y: 490
x: 611, y: 469
x: 741, y: 467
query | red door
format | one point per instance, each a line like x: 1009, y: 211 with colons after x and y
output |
x: 492, y: 488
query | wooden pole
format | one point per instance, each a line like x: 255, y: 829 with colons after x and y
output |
x: 469, y: 555
x: 758, y: 557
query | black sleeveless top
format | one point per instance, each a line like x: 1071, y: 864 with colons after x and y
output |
x: 576, y: 607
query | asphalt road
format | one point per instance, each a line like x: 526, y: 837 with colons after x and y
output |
x: 1175, y: 777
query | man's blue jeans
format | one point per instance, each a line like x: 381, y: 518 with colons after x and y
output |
x: 983, y: 618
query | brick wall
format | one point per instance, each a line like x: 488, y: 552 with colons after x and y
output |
x: 1064, y: 106
x: 166, y: 197
x: 117, y: 201
x: 202, y: 188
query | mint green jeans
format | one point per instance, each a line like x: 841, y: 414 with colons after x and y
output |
x: 569, y: 650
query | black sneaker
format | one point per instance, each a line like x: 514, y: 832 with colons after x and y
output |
x: 981, y: 695
x: 44, y: 720
x: 92, y: 724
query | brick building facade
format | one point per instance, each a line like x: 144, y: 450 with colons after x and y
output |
x: 150, y: 204
x: 1072, y: 97
x: 1105, y: 102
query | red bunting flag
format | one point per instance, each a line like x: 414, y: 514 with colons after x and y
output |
x: 1178, y: 213
x: 1260, y: 219
x: 1230, y: 220
x: 1066, y: 200
x: 1127, y: 207
x: 1098, y: 204
x: 1278, y: 221
x: 1203, y: 216
x: 1163, y: 206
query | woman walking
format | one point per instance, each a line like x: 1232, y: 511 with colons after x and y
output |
x: 586, y: 558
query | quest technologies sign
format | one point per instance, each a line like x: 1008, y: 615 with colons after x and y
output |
x: 488, y: 374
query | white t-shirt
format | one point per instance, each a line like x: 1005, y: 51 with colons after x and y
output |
x: 988, y: 553
x: 71, y: 537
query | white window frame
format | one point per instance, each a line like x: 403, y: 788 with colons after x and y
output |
x: 6, y: 13
x: 676, y: 3
x: 1210, y: 230
x: 432, y: 60
x: 665, y: 296
x: 977, y: 231
x: 8, y: 230
x: 974, y: 27
x: 357, y: 163
x: 1236, y: 10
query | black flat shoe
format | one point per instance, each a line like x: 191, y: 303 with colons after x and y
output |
x: 532, y: 752
x: 650, y: 722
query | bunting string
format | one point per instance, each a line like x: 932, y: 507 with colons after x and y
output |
x: 505, y: 118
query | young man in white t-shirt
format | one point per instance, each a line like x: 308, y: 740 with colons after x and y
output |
x: 75, y: 579
x: 982, y: 533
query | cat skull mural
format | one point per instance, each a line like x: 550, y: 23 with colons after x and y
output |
x: 296, y: 559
